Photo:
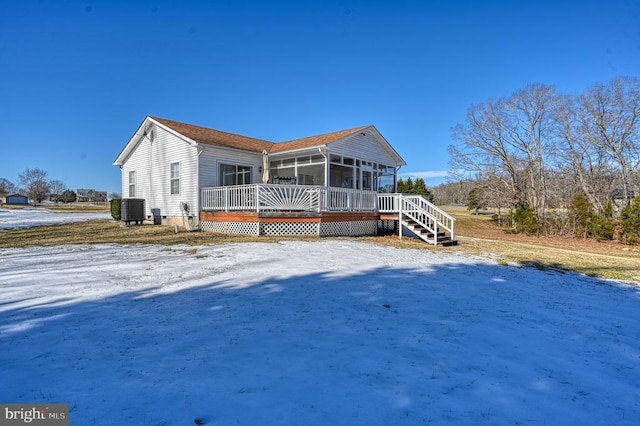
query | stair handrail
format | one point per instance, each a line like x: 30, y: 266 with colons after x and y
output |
x: 444, y: 219
x: 414, y: 211
x: 414, y: 206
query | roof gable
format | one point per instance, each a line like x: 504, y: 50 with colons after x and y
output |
x: 314, y: 141
x: 198, y: 134
x: 215, y: 137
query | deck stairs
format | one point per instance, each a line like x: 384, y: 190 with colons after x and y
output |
x: 427, y: 235
x: 423, y: 218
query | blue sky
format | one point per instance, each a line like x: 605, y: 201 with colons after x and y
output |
x: 78, y: 77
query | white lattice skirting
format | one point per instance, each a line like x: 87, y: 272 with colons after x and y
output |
x: 324, y: 229
x: 352, y: 229
x: 242, y: 228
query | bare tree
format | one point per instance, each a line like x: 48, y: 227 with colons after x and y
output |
x: 609, y: 119
x: 529, y: 127
x: 487, y: 150
x: 453, y: 192
x: 6, y: 187
x: 586, y: 164
x: 35, y: 184
x: 56, y: 188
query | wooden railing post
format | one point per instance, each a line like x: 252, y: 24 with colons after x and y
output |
x: 452, y: 233
x: 400, y: 215
x: 258, y: 201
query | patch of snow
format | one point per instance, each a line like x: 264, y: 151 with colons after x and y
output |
x: 331, y: 332
x: 29, y: 217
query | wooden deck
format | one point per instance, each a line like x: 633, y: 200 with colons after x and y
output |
x: 267, y: 209
x: 289, y: 217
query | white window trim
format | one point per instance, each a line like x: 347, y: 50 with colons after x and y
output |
x: 132, y: 184
x: 171, y: 178
x: 236, y: 165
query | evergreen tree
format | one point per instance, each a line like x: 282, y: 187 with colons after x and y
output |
x: 407, y: 186
x: 630, y: 218
x: 419, y: 187
x: 475, y: 200
x: 603, y: 225
x: 401, y: 186
x: 68, y: 196
x: 523, y: 220
x: 580, y: 214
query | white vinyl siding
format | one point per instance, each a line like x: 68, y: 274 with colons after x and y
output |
x: 151, y: 161
x: 366, y: 148
x: 175, y: 178
x: 213, y: 156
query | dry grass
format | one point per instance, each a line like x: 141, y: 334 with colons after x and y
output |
x: 109, y: 231
x: 81, y: 207
x: 476, y: 234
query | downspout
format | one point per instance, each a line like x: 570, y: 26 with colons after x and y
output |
x: 199, y: 151
x: 398, y: 199
x: 151, y: 195
x: 322, y: 201
x: 395, y: 179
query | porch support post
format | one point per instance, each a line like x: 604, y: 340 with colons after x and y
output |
x: 453, y: 222
x: 400, y: 215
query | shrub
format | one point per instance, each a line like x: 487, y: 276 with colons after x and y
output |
x: 580, y: 214
x: 603, y: 226
x: 630, y: 218
x: 115, y: 208
x: 523, y: 219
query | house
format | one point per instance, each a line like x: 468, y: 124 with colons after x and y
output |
x: 16, y: 199
x: 91, y: 195
x: 212, y: 180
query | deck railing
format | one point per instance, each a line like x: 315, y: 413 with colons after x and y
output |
x: 271, y: 197
x: 264, y: 197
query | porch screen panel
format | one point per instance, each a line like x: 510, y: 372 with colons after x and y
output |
x: 341, y: 176
x: 312, y: 174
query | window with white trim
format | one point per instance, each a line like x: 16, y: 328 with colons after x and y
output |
x: 234, y: 175
x: 132, y: 183
x: 175, y: 178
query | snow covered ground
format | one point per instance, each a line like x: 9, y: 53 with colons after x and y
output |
x: 28, y: 217
x: 335, y: 332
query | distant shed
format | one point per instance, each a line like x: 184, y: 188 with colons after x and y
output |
x: 16, y: 199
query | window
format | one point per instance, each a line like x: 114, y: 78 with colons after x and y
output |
x: 234, y: 175
x: 175, y: 178
x: 132, y: 183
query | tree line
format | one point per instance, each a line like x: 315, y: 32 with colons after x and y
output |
x: 417, y: 187
x: 35, y: 185
x: 558, y: 163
